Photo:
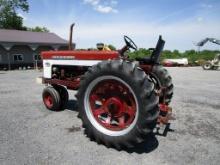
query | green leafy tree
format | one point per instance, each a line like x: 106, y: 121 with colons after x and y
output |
x: 142, y: 52
x: 112, y: 47
x: 38, y: 29
x: 9, y: 18
x: 191, y: 55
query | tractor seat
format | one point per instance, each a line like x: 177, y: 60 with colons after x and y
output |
x: 146, y: 60
x: 155, y: 56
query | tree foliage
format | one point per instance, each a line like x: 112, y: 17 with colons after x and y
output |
x: 112, y: 47
x: 38, y: 29
x: 142, y: 52
x: 14, y: 5
x: 11, y: 21
x: 191, y: 55
x: 9, y: 18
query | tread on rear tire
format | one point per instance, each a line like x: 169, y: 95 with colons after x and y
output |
x: 164, y: 79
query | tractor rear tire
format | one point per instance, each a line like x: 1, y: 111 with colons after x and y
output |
x: 51, y: 98
x: 207, y: 66
x: 163, y: 79
x: 64, y: 96
x: 117, y: 104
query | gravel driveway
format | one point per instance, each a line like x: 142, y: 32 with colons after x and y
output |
x: 30, y: 134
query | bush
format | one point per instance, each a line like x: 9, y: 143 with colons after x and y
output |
x: 192, y: 56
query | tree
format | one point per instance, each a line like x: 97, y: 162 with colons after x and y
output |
x: 14, y: 5
x: 9, y: 18
x: 38, y: 29
x: 11, y: 21
x: 112, y: 47
x: 142, y: 52
x: 191, y: 55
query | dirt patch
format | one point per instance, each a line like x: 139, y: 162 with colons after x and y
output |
x: 74, y: 129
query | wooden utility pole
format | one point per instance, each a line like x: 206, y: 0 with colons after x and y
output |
x: 9, y: 60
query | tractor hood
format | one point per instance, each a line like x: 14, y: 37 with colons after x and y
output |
x: 80, y: 55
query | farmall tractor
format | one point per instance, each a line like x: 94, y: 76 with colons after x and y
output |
x: 120, y: 101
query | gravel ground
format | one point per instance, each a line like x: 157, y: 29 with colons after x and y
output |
x: 30, y: 134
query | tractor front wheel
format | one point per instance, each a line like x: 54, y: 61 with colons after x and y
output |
x: 51, y: 98
x: 64, y: 96
x: 117, y: 104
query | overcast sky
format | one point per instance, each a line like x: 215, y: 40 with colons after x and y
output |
x: 181, y: 23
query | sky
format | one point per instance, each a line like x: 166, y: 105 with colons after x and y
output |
x: 181, y: 23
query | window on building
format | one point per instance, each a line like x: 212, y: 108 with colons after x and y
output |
x: 0, y: 58
x: 37, y: 57
x: 18, y: 57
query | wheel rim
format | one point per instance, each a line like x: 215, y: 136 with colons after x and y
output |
x: 207, y: 66
x: 48, y: 100
x: 111, y: 105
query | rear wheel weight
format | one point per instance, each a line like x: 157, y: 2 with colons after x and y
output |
x: 113, y: 106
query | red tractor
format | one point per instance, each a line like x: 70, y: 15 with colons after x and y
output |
x: 120, y: 101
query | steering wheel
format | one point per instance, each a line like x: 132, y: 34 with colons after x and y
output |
x: 130, y: 43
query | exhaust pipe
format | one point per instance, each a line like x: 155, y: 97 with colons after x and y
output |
x: 71, y: 37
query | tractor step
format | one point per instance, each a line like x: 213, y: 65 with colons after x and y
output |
x: 165, y: 114
x: 163, y: 120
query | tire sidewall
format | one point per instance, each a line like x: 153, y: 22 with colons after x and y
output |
x: 64, y: 96
x: 161, y: 75
x: 55, y: 98
x: 207, y: 66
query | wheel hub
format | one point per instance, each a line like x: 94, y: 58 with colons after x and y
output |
x: 48, y: 101
x: 114, y: 107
